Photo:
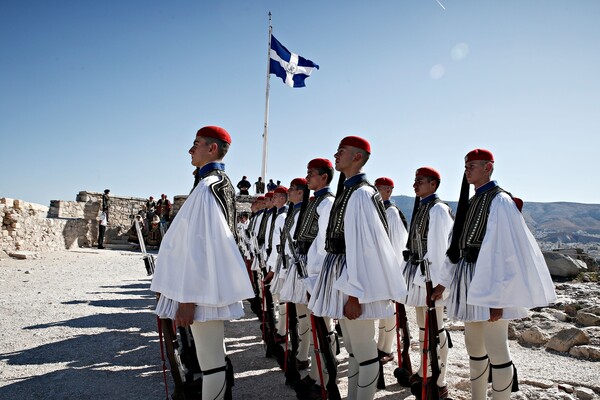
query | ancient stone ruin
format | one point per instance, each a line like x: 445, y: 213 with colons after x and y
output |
x: 72, y: 224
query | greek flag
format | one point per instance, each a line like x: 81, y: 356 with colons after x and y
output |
x: 290, y: 67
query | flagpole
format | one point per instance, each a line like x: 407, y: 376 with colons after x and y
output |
x: 266, y: 127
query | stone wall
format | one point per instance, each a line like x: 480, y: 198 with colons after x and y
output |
x: 120, y: 216
x: 65, y: 224
x: 243, y: 203
x: 25, y: 226
x: 71, y: 224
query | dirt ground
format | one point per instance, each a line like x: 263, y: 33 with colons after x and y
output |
x: 80, y: 324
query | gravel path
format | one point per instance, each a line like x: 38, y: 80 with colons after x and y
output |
x: 79, y: 324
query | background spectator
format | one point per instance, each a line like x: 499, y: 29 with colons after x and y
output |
x: 259, y: 186
x: 244, y: 185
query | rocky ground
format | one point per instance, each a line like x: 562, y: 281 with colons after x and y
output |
x: 79, y: 324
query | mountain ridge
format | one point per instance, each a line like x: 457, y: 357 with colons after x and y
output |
x: 554, y: 222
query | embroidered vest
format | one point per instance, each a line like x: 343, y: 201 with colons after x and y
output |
x: 476, y: 223
x: 309, y: 226
x: 335, y: 241
x: 272, y: 228
x: 262, y: 228
x: 419, y: 230
x: 225, y: 194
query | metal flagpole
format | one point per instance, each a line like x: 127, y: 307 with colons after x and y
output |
x: 266, y: 131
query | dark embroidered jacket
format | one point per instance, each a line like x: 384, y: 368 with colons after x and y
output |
x: 309, y: 226
x: 335, y: 241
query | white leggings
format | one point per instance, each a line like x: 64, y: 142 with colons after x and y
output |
x: 363, y: 364
x: 387, y: 332
x: 210, y: 349
x: 303, y: 331
x: 487, y: 343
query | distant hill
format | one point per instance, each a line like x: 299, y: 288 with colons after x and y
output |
x: 551, y: 222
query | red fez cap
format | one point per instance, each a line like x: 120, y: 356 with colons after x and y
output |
x: 298, y: 181
x: 357, y: 142
x: 383, y: 181
x: 281, y: 189
x: 215, y: 132
x: 428, y: 171
x: 479, y: 154
x: 268, y: 195
x: 319, y: 163
x: 260, y: 198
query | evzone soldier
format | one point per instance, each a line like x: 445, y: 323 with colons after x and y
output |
x: 359, y: 277
x: 495, y: 272
x: 198, y: 289
x: 430, y: 228
x: 292, y: 289
x: 274, y: 260
x: 398, y: 236
x: 252, y: 233
x: 311, y: 248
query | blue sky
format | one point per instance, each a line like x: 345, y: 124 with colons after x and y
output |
x: 109, y: 94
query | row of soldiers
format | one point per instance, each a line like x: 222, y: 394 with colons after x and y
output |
x: 355, y: 252
x: 350, y: 258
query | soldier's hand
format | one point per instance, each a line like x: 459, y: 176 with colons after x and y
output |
x: 437, y: 292
x: 184, y: 316
x: 352, y: 308
x: 495, y: 314
x: 269, y: 276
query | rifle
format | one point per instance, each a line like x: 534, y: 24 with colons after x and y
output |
x: 268, y: 316
x: 292, y: 375
x: 322, y: 333
x: 431, y: 340
x: 404, y: 370
x: 298, y: 262
x: 148, y: 258
x: 181, y: 353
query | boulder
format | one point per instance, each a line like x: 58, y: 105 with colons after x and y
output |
x: 587, y: 318
x: 567, y: 338
x: 586, y: 351
x: 23, y: 255
x: 584, y: 393
x: 557, y: 314
x: 565, y: 387
x: 561, y: 265
x: 533, y: 336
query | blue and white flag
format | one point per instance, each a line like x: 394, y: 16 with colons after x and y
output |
x: 290, y: 67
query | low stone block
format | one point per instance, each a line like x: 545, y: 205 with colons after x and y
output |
x: 567, y: 338
x: 586, y: 351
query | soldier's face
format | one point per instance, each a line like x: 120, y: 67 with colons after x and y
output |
x: 201, y: 152
x: 385, y: 192
x: 477, y: 172
x: 314, y: 180
x: 279, y: 200
x: 423, y: 186
x: 295, y: 194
